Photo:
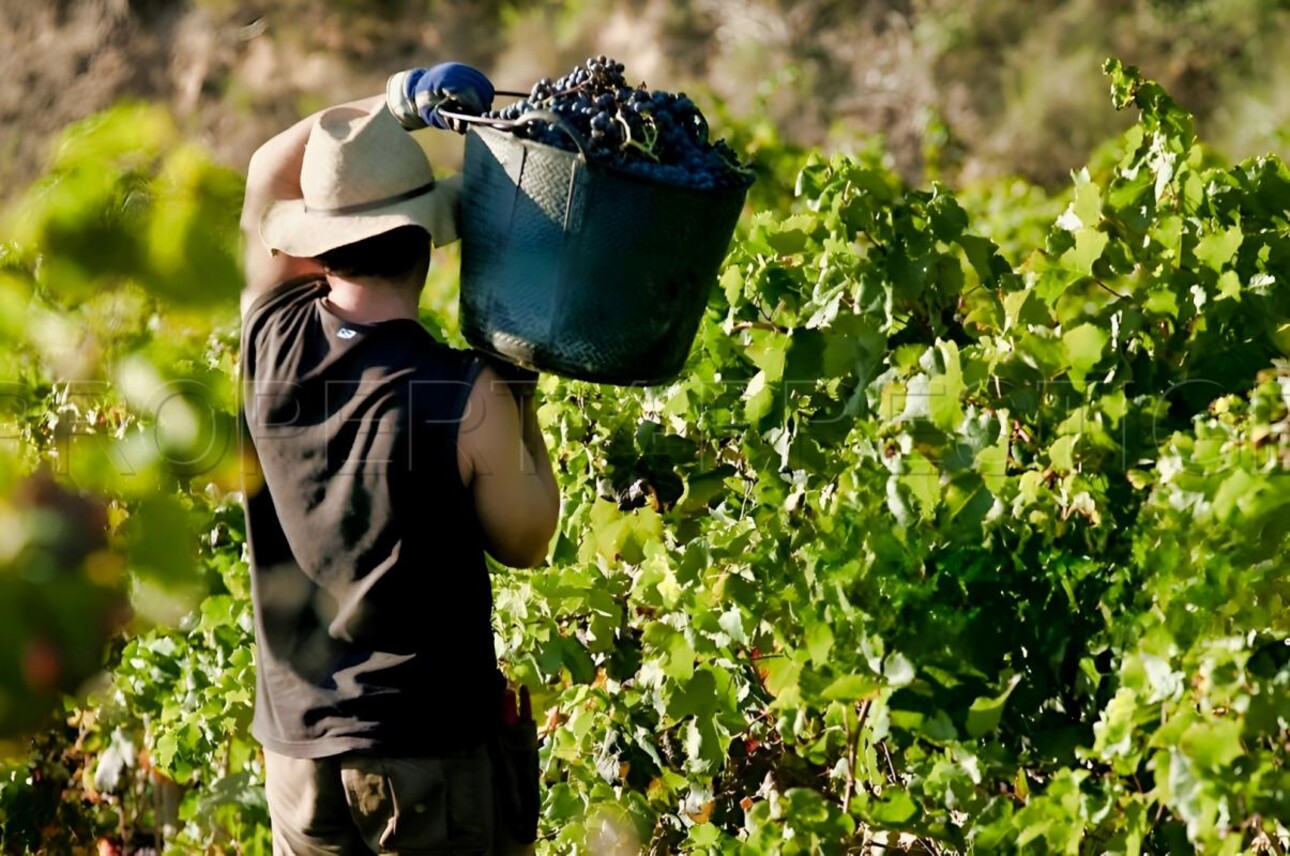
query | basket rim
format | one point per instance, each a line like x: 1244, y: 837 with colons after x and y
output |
x: 562, y: 366
x: 594, y: 166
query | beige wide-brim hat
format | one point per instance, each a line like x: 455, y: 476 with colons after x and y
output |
x: 362, y: 175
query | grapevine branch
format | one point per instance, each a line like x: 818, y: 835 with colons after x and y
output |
x: 853, y: 750
x: 1111, y: 290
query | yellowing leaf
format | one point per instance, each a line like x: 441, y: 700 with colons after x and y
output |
x: 1213, y: 745
x: 1086, y: 208
x: 1229, y: 286
x: 1089, y: 243
x: 1216, y: 249
x: 1084, y: 346
x: 1062, y: 453
x: 1162, y: 301
x: 852, y: 688
x: 945, y: 389
x: 992, y: 465
x: 704, y: 814
x: 924, y: 481
x: 819, y: 641
x: 985, y: 713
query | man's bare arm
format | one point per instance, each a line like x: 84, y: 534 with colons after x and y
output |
x: 504, y: 461
x: 274, y: 174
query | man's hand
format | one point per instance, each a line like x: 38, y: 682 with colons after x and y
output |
x: 415, y: 96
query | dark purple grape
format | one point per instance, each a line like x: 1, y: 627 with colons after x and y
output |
x: 654, y: 134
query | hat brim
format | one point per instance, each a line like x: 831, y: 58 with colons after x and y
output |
x: 289, y: 227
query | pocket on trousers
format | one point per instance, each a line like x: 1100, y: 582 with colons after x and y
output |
x: 439, y: 804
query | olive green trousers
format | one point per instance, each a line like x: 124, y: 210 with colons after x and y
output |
x: 359, y: 804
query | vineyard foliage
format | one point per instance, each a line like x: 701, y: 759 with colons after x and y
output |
x: 943, y: 541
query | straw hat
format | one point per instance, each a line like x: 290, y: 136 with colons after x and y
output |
x: 362, y: 175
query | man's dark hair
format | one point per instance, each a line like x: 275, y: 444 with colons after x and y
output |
x: 389, y: 254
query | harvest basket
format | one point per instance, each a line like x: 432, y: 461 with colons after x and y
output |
x: 583, y: 270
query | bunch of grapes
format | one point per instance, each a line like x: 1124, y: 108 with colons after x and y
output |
x: 655, y: 134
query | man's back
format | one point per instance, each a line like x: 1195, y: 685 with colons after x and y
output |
x: 372, y: 594
x: 372, y: 508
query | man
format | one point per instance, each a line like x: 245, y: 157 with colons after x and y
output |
x: 387, y: 465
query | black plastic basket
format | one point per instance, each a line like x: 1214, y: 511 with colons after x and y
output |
x: 583, y: 270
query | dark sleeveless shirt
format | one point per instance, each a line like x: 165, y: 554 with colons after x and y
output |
x: 372, y: 598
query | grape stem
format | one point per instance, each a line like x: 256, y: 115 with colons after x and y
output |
x: 577, y: 87
x: 646, y: 148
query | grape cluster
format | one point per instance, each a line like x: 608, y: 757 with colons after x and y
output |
x: 651, y: 133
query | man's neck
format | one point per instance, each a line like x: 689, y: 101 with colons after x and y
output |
x: 369, y: 300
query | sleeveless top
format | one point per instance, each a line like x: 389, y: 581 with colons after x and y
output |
x: 371, y: 594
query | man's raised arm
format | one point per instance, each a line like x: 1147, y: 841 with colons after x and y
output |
x: 274, y: 174
x: 413, y: 97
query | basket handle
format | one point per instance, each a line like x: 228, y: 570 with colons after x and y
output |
x: 531, y: 116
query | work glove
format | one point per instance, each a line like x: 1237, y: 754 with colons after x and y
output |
x: 417, y: 95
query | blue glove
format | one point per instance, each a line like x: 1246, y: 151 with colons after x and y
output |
x: 415, y: 96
